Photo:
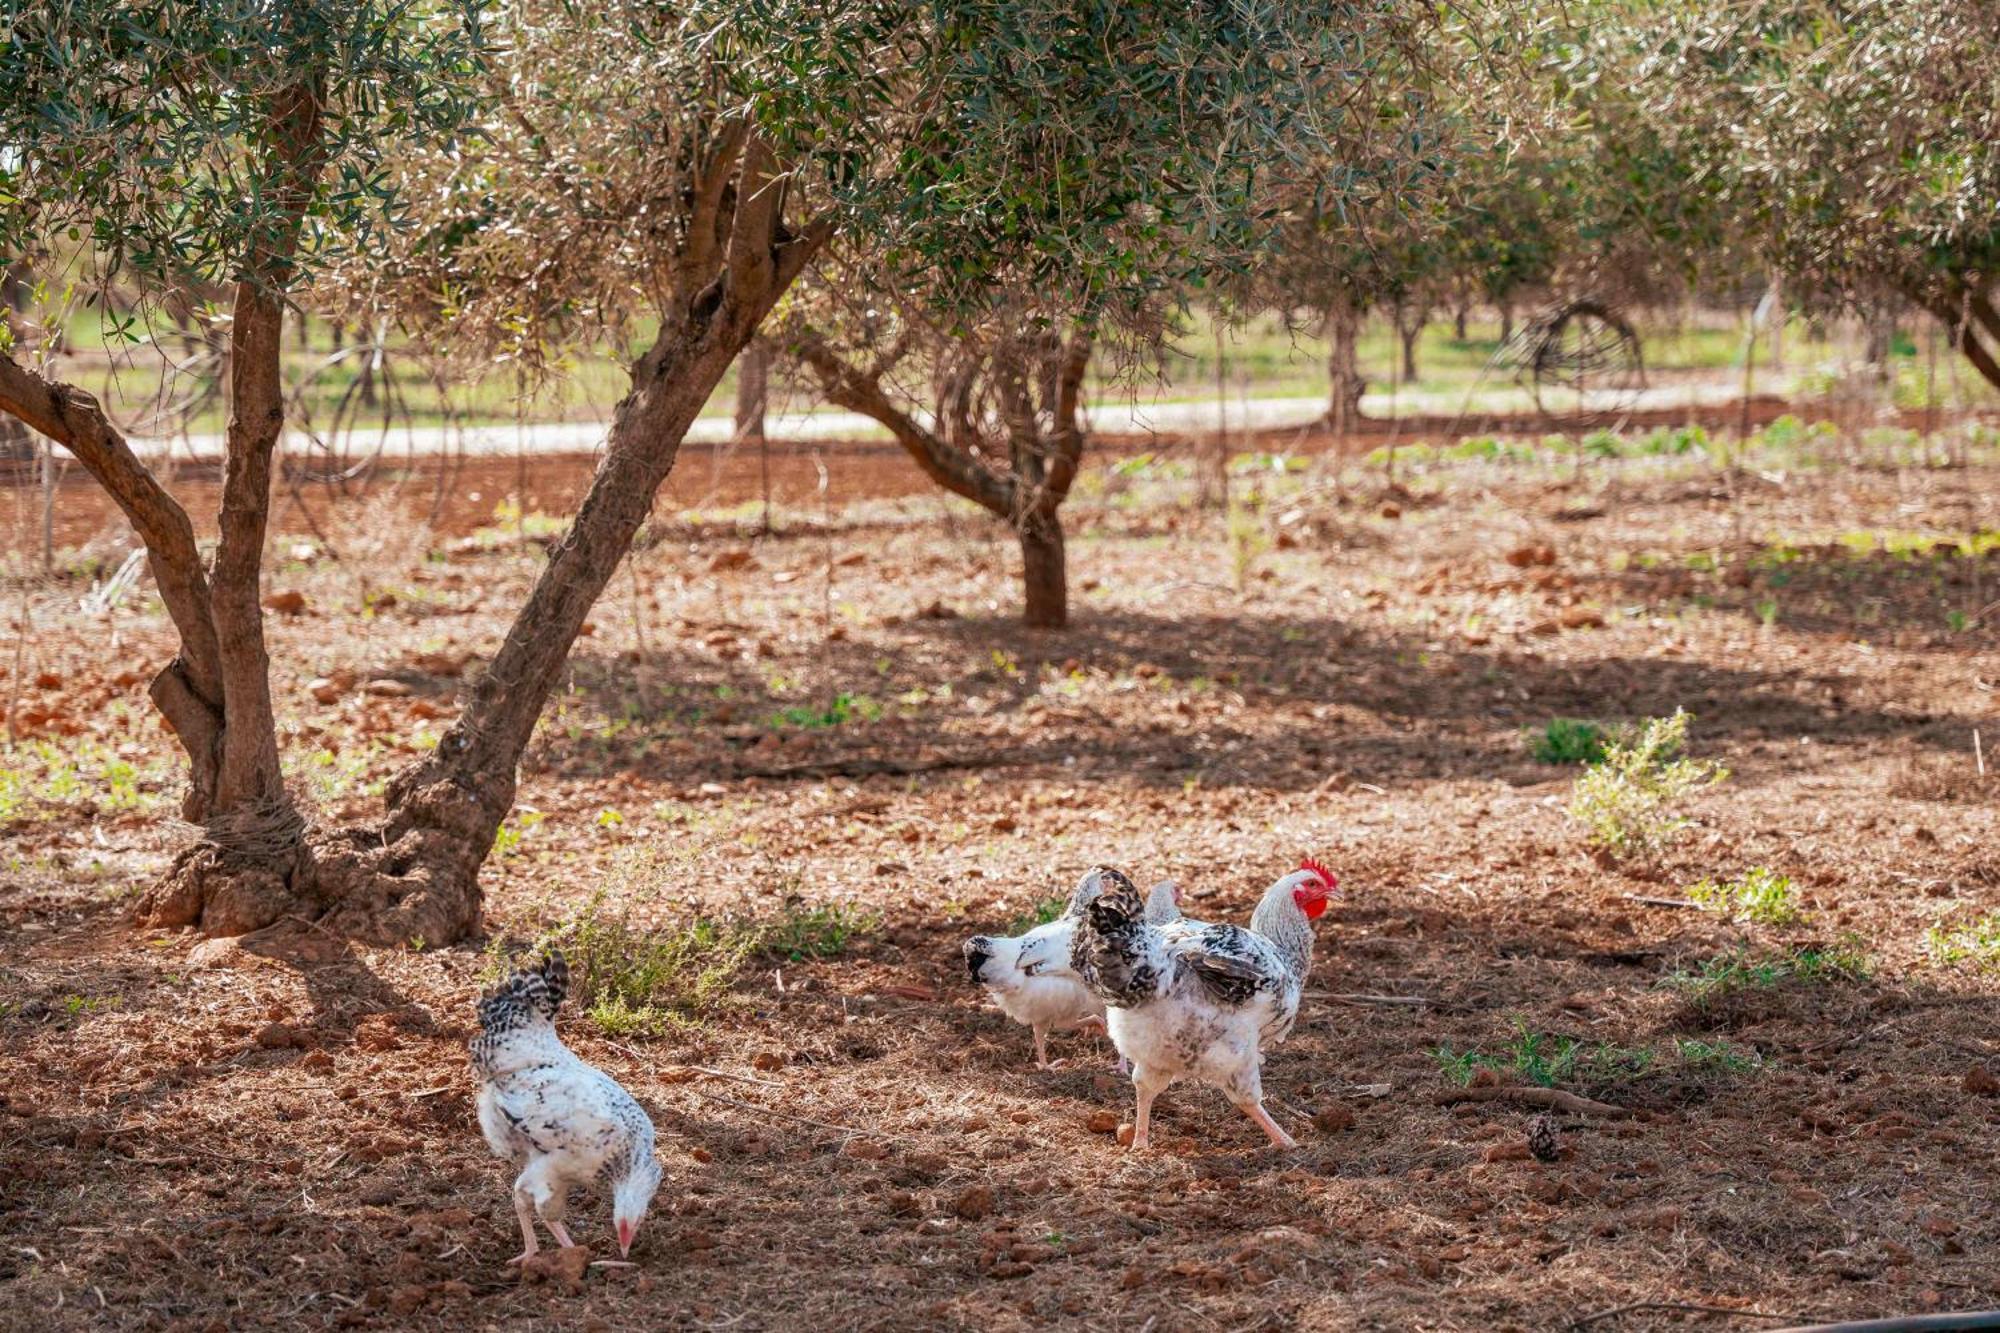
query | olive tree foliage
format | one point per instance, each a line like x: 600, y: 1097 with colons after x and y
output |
x: 1166, y: 148
x: 1856, y: 143
x: 185, y: 148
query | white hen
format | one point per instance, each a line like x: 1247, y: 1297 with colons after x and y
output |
x: 1200, y: 1001
x: 569, y: 1123
x: 1030, y: 978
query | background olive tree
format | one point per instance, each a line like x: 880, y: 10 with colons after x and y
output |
x: 978, y: 367
x: 1856, y: 147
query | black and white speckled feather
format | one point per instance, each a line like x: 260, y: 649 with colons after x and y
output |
x: 567, y: 1122
x: 1029, y: 976
x: 1190, y: 999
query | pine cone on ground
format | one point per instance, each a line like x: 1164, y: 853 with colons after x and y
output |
x: 1544, y: 1138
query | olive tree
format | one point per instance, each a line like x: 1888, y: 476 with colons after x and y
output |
x: 173, y: 148
x: 1169, y: 148
x: 993, y: 415
x: 1856, y: 145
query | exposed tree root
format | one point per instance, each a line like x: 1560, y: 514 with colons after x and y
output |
x: 413, y: 877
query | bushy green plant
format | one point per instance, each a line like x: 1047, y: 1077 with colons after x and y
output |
x: 1569, y: 740
x: 1760, y: 895
x: 1626, y: 801
x: 633, y: 980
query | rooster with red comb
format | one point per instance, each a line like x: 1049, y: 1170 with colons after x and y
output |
x: 1187, y: 999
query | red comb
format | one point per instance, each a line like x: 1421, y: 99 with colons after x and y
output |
x: 1332, y: 880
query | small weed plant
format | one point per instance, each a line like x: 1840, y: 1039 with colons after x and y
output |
x: 1976, y: 942
x: 845, y: 708
x: 1729, y: 974
x: 635, y: 980
x: 1040, y: 914
x: 1627, y: 800
x: 1760, y: 896
x: 1546, y: 1060
x: 808, y: 934
x: 1248, y: 540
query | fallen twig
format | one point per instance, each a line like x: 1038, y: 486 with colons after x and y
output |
x: 1553, y: 1099
x: 867, y: 767
x: 725, y: 1074
x: 1637, y: 1306
x: 1660, y: 902
x: 1363, y: 999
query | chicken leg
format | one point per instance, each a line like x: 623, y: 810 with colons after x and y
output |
x: 1149, y: 1088
x: 530, y: 1245
x: 1248, y: 1097
x: 1279, y: 1139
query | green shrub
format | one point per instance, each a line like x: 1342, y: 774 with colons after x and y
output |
x: 1626, y: 801
x: 642, y: 981
x: 1569, y: 740
x: 636, y: 981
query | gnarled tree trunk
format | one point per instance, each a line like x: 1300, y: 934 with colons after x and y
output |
x: 1009, y: 437
x: 1044, y: 582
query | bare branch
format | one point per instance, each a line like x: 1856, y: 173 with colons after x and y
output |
x: 73, y: 419
x: 953, y: 468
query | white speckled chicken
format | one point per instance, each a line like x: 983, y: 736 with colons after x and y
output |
x: 1029, y: 976
x: 567, y: 1122
x: 1193, y: 1000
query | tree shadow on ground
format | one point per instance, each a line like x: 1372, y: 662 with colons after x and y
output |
x: 1828, y: 590
x: 1275, y: 702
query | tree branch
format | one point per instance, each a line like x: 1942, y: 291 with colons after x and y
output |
x: 1068, y: 438
x: 705, y: 214
x: 753, y: 232
x: 952, y: 468
x: 74, y: 420
x: 1958, y: 330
